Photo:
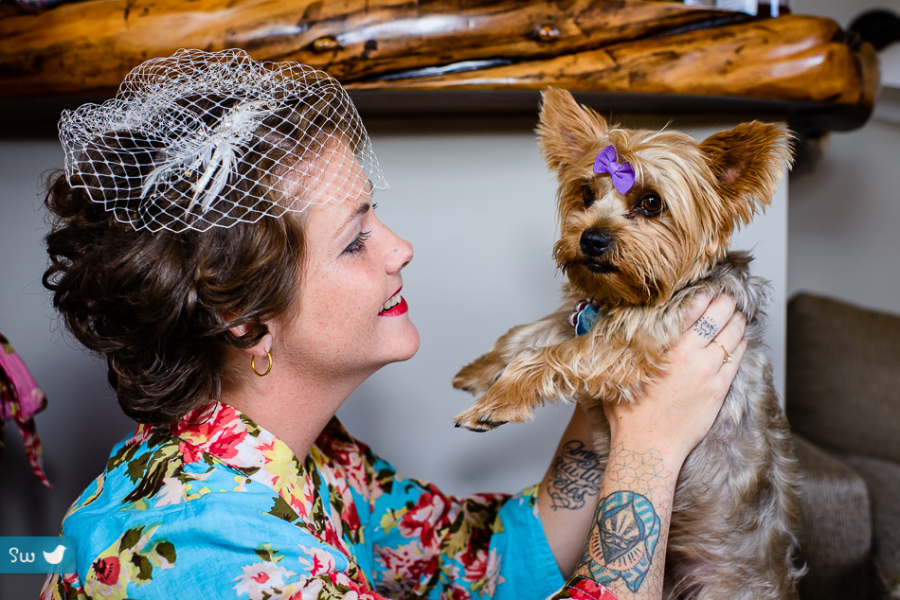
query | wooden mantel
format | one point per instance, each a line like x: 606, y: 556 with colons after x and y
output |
x: 398, y: 55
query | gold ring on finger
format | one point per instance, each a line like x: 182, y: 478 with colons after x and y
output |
x: 728, y: 357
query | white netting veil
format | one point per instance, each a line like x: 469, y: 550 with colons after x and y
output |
x: 209, y: 139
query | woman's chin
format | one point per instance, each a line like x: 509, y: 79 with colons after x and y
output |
x: 407, y: 346
x: 412, y: 345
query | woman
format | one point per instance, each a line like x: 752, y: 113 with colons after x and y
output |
x: 215, y: 240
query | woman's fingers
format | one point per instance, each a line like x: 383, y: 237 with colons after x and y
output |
x: 729, y: 337
x: 678, y: 408
x: 696, y: 308
x: 730, y: 369
x: 716, y: 315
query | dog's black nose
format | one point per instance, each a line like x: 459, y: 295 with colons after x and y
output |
x: 595, y: 242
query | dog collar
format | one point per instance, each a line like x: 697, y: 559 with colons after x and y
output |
x: 584, y: 317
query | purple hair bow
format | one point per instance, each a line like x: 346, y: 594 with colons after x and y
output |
x: 622, y: 175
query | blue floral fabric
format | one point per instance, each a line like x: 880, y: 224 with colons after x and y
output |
x: 223, y: 509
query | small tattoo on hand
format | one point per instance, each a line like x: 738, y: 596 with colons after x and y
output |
x: 706, y: 328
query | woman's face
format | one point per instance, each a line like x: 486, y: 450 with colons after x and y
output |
x: 351, y: 319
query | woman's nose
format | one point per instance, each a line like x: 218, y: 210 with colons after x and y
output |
x: 400, y: 254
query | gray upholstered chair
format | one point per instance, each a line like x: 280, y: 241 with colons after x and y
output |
x: 843, y: 402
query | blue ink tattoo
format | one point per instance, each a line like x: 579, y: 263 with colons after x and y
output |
x: 623, y: 545
x: 706, y: 328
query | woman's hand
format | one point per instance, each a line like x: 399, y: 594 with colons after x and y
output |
x: 679, y: 407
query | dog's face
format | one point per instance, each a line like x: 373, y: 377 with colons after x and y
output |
x: 640, y: 244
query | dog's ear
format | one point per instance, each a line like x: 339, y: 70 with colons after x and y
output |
x: 747, y: 162
x: 566, y: 130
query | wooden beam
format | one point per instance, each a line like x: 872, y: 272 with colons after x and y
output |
x: 596, y: 46
x: 88, y: 47
x: 788, y: 58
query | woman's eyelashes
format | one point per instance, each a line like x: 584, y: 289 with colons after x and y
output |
x: 359, y: 243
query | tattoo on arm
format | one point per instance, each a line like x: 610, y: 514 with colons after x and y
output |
x: 575, y: 475
x: 706, y: 328
x: 624, y: 545
x: 628, y: 540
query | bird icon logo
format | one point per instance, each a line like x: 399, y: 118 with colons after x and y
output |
x: 55, y: 557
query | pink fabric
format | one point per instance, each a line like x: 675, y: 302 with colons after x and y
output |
x: 21, y: 400
x: 31, y: 399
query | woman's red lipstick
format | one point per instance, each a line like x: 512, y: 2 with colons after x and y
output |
x: 397, y: 306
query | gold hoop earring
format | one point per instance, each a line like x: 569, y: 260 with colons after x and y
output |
x: 253, y: 365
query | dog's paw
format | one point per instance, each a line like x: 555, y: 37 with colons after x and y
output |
x: 477, y: 377
x: 474, y: 420
x: 491, y: 411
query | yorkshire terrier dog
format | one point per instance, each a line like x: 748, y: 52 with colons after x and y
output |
x: 646, y: 218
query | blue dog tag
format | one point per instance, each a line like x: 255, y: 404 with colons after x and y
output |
x: 584, y: 317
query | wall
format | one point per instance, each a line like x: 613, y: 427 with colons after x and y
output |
x: 844, y: 213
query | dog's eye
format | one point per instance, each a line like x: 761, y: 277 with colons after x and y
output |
x: 651, y: 203
x: 588, y: 194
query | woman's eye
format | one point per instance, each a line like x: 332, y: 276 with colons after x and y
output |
x: 588, y: 194
x: 651, y: 203
x: 358, y: 244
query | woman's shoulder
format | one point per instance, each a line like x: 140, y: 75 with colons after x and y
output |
x: 153, y: 472
x: 164, y: 511
x: 157, y: 505
x: 224, y: 537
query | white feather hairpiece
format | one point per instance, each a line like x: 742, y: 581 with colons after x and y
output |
x: 216, y: 155
x: 171, y: 150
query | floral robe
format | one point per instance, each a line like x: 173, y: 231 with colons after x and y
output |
x: 223, y: 509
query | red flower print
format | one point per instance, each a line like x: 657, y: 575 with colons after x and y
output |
x: 107, y: 569
x: 261, y: 577
x: 317, y: 560
x: 349, y: 459
x: 455, y: 592
x: 421, y: 521
x: 225, y: 445
x: 587, y: 589
x: 350, y: 517
x: 475, y: 565
x: 141, y: 435
x: 189, y: 453
x: 402, y: 566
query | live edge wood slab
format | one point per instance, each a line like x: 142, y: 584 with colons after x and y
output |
x: 467, y: 55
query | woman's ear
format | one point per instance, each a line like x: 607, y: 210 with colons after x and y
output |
x: 263, y: 346
x: 265, y: 343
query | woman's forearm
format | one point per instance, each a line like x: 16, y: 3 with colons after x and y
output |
x: 650, y: 439
x: 568, y: 493
x: 611, y: 527
x: 626, y: 549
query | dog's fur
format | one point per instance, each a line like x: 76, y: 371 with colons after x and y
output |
x: 735, y: 513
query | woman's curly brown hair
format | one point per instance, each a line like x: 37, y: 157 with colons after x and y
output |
x: 155, y: 304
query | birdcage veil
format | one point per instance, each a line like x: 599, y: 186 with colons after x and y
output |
x: 210, y: 139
